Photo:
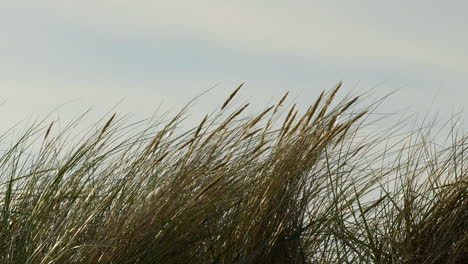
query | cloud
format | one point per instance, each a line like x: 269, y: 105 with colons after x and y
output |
x: 313, y: 32
x: 136, y: 45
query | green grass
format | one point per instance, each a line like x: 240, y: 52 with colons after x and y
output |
x: 280, y: 186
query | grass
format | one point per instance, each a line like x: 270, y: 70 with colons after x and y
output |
x: 280, y: 186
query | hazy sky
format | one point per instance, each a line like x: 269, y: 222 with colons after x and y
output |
x: 96, y: 53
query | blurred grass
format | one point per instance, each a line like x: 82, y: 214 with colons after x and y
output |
x: 276, y: 187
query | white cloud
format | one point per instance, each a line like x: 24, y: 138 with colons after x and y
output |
x: 312, y: 32
x: 335, y: 34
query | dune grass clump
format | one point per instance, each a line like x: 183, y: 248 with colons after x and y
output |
x: 280, y: 186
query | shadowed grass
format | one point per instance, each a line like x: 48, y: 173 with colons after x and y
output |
x: 276, y: 187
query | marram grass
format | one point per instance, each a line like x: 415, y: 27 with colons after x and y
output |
x: 279, y: 186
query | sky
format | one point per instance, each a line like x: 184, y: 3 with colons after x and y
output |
x: 64, y: 57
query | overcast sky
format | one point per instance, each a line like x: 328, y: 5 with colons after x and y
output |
x: 97, y: 53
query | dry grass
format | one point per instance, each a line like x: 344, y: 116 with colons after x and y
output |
x: 304, y: 188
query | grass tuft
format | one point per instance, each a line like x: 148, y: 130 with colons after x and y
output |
x: 317, y: 187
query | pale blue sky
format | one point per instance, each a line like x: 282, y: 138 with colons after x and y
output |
x: 96, y: 53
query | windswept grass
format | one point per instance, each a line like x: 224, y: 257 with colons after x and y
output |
x: 280, y: 186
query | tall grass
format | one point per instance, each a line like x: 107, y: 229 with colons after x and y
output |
x: 280, y: 186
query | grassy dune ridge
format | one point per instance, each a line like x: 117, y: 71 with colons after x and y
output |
x: 278, y: 186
